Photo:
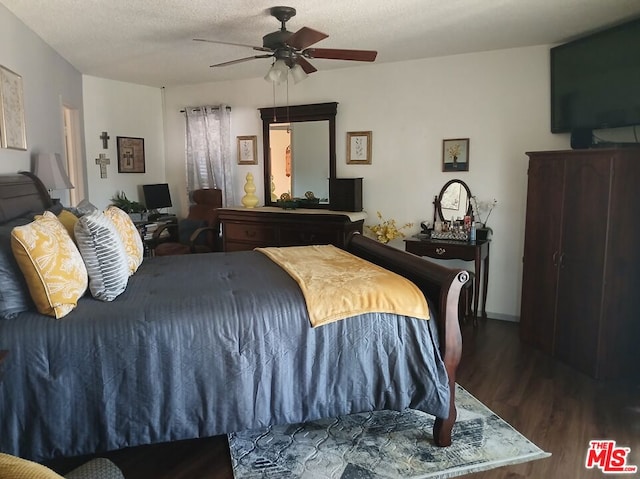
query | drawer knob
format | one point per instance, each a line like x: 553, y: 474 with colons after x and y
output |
x: 440, y: 251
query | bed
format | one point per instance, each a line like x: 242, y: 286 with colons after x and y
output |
x: 200, y: 345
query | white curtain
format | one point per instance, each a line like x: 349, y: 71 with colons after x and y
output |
x: 208, y: 150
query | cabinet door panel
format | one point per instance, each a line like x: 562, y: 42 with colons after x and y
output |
x: 541, y: 251
x: 586, y: 205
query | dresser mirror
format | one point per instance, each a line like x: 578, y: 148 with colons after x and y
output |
x: 299, y: 144
x: 454, y: 201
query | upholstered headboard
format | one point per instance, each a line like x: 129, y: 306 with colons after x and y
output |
x: 20, y: 194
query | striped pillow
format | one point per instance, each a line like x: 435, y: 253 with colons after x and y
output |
x: 103, y: 255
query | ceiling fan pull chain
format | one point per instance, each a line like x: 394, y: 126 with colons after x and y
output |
x: 288, y: 99
x: 274, y: 101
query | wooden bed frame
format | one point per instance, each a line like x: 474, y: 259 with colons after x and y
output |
x: 24, y: 193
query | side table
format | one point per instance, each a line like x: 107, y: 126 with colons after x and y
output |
x: 476, y: 251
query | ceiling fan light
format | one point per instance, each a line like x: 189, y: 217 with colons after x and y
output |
x: 278, y: 72
x: 298, y: 73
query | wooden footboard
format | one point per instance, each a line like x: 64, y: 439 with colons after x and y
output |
x: 440, y: 284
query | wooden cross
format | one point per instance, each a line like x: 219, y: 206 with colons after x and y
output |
x: 103, y: 161
x: 105, y: 138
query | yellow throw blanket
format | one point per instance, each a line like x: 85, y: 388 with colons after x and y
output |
x: 337, y: 284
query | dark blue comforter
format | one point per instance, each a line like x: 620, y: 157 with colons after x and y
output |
x: 200, y: 345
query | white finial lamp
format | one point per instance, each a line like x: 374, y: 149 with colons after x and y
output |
x: 49, y: 168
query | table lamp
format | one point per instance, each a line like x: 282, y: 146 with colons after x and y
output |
x: 49, y: 169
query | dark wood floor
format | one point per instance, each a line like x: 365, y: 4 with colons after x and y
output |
x: 556, y: 407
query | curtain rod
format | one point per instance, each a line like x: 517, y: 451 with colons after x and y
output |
x: 213, y: 108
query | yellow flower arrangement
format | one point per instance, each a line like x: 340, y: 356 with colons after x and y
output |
x: 454, y: 151
x: 387, y: 230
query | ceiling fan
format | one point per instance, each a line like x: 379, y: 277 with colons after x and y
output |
x: 291, y: 50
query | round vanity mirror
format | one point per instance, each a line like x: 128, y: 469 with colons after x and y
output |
x: 454, y: 200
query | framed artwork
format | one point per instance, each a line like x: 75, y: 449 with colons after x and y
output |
x: 455, y: 154
x: 247, y: 150
x: 130, y: 154
x: 12, y: 125
x: 359, y: 148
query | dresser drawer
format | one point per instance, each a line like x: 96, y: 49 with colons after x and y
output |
x: 444, y: 250
x: 249, y: 233
x: 307, y: 236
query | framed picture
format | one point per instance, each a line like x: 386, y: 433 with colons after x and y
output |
x: 12, y: 126
x: 359, y: 148
x: 130, y: 154
x: 247, y: 150
x: 455, y: 154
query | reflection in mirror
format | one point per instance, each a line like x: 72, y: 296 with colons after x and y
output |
x: 454, y: 201
x: 299, y: 159
x: 299, y: 144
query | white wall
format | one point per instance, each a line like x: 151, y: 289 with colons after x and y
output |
x: 49, y: 82
x: 499, y: 99
x: 122, y: 109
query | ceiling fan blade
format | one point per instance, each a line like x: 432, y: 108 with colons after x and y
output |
x: 337, y: 54
x: 306, y: 66
x: 239, y: 60
x: 260, y: 49
x: 305, y: 37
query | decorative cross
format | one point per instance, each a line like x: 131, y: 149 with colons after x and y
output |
x: 103, y: 161
x: 105, y: 138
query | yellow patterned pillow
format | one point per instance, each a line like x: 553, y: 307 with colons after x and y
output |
x: 51, y: 264
x: 129, y: 235
x: 12, y: 467
x: 68, y: 220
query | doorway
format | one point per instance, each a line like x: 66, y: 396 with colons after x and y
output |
x: 72, y: 145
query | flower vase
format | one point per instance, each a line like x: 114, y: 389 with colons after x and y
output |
x: 483, y: 233
x: 250, y: 200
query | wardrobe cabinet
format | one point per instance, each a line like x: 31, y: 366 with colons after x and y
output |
x: 580, y: 287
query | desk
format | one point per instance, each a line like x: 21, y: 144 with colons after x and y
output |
x: 476, y: 251
x: 147, y: 229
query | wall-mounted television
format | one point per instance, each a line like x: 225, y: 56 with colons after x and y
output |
x: 595, y: 80
x: 156, y: 196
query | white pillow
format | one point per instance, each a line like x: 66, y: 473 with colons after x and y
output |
x: 103, y: 255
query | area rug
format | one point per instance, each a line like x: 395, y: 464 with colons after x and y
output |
x: 382, y: 444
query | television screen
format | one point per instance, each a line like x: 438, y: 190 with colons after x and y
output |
x: 595, y: 80
x: 156, y: 196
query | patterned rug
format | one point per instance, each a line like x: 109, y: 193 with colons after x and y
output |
x: 383, y: 444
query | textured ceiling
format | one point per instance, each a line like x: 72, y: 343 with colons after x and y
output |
x: 150, y: 41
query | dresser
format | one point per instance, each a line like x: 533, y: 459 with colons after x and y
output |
x: 581, y: 259
x: 247, y: 228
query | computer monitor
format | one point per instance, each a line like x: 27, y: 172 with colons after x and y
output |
x: 156, y: 196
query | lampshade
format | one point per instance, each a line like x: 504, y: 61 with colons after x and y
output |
x: 298, y: 73
x: 278, y: 72
x: 49, y: 168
